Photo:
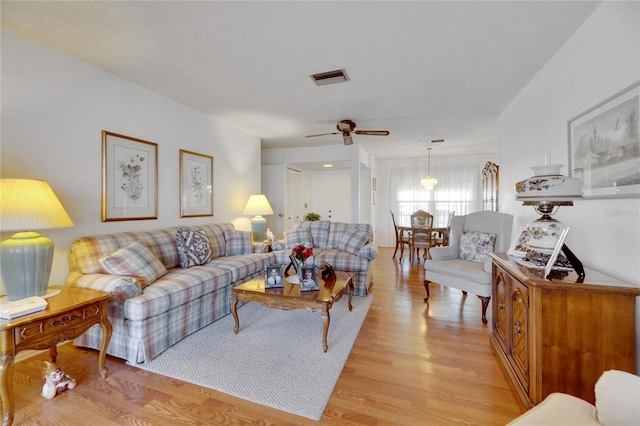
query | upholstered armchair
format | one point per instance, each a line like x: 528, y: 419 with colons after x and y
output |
x: 617, y: 404
x: 465, y: 264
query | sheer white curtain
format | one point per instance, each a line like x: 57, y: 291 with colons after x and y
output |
x: 457, y: 190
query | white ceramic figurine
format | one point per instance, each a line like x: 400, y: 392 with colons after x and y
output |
x: 270, y: 236
x: 55, y: 381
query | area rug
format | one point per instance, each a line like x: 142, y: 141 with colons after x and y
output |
x: 275, y: 360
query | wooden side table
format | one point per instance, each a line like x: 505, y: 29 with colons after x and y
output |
x: 69, y: 314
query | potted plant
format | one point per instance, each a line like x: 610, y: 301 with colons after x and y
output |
x: 312, y: 216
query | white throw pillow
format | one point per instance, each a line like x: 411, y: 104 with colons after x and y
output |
x: 618, y: 398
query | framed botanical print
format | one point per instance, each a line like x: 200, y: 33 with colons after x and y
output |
x: 196, y: 184
x: 129, y: 178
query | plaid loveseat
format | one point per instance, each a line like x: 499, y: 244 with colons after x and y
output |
x: 346, y: 246
x: 148, y: 318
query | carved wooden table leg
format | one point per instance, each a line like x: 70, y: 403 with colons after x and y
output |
x: 234, y: 311
x: 326, y: 319
x: 53, y: 353
x: 106, y: 338
x: 485, y: 304
x: 6, y: 377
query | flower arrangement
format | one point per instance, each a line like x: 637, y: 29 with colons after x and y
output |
x: 301, y: 252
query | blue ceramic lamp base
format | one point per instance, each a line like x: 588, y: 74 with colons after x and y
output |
x: 26, y: 260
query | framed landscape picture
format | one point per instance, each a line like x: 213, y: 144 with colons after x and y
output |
x: 196, y: 184
x: 604, y: 146
x: 129, y: 178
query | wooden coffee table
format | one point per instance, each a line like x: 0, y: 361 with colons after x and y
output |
x: 290, y: 297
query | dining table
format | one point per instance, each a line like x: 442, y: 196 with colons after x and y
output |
x: 440, y: 232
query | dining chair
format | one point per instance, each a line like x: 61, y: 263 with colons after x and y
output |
x: 421, y: 235
x: 442, y: 238
x: 401, y: 239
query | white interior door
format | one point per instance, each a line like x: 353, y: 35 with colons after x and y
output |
x: 337, y: 193
x: 274, y: 186
x: 293, y: 209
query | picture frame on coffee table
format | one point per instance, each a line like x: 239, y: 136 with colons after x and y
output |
x: 604, y: 146
x: 196, y: 184
x: 309, y: 278
x: 129, y: 178
x: 273, y: 276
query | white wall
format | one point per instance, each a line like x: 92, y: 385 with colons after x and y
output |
x: 602, y: 58
x: 54, y: 108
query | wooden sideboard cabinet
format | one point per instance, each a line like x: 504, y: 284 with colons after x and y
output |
x: 560, y: 334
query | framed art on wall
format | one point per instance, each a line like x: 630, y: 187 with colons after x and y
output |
x: 196, y: 184
x: 129, y: 178
x: 604, y: 146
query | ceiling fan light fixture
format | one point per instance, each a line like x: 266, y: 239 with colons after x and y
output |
x: 330, y: 77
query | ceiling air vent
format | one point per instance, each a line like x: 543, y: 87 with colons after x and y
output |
x: 330, y: 77
x: 437, y: 140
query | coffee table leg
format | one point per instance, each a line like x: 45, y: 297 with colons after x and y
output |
x: 351, y: 290
x: 234, y: 311
x: 107, y: 329
x: 325, y: 327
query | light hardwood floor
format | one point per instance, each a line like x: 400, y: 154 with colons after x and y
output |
x: 412, y: 364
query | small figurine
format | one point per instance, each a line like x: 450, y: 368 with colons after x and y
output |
x: 55, y: 380
x: 270, y: 237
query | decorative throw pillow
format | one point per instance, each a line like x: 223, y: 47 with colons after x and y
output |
x: 617, y: 396
x: 193, y: 247
x: 298, y: 236
x: 237, y: 242
x: 135, y: 260
x: 476, y: 246
x: 352, y: 241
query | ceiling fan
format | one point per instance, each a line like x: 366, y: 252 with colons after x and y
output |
x: 345, y: 127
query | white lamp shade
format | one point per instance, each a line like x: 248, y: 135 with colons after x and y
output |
x: 30, y: 205
x: 258, y: 205
x: 26, y: 257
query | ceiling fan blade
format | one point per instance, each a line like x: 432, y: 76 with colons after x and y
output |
x: 323, y: 134
x: 373, y: 132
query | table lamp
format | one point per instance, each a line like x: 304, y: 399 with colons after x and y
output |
x: 28, y: 205
x: 546, y: 191
x: 258, y: 205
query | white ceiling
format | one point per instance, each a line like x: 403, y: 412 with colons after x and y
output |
x: 422, y: 70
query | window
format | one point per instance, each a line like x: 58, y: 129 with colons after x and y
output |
x: 457, y: 190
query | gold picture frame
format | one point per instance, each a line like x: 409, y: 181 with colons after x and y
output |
x: 129, y: 178
x: 196, y: 184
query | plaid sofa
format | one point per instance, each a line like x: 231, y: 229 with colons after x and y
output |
x: 346, y: 246
x: 148, y: 319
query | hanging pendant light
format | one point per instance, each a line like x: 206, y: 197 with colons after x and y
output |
x: 429, y: 182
